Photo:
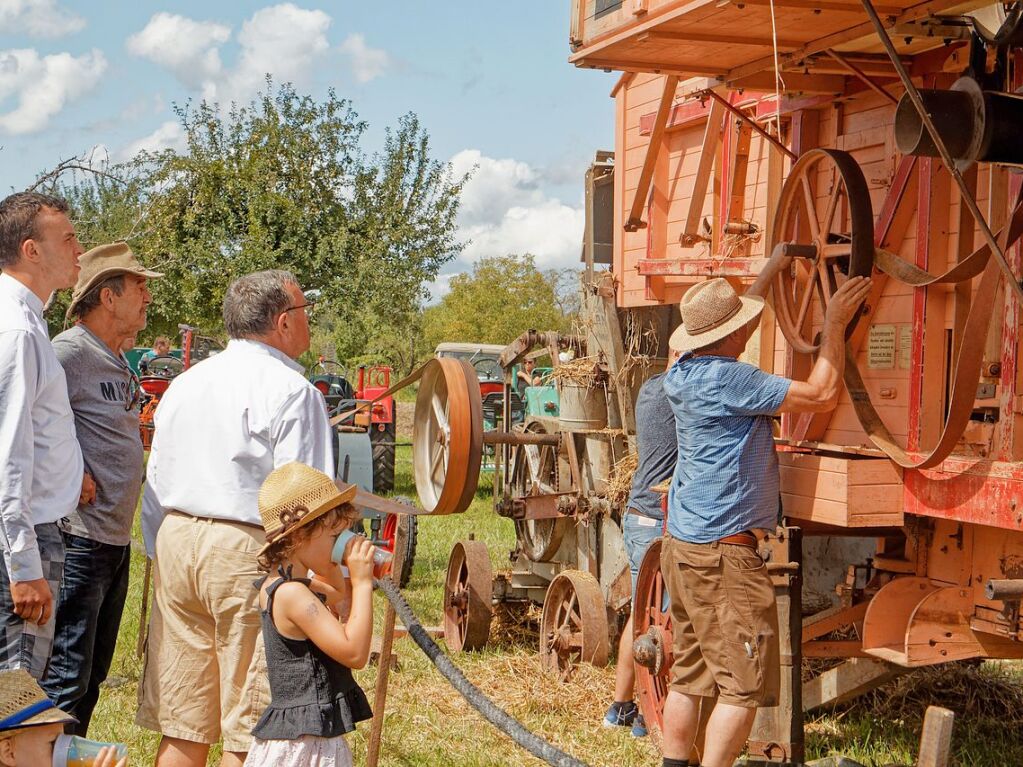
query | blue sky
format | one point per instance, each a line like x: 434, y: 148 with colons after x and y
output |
x: 490, y: 82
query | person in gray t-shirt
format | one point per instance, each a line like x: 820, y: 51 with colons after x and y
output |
x: 109, y: 303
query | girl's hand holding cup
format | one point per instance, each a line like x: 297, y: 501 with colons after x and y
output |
x: 361, y: 557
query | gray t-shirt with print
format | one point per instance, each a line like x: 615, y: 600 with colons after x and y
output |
x: 100, y: 386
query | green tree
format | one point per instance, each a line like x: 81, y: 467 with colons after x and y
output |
x: 502, y: 297
x: 284, y: 183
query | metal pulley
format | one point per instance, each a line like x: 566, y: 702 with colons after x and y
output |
x: 976, y: 125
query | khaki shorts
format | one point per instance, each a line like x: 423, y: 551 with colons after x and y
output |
x: 725, y: 622
x: 205, y: 665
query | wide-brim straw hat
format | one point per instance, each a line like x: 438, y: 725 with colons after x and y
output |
x: 710, y: 311
x: 102, y: 262
x: 23, y: 704
x: 294, y: 495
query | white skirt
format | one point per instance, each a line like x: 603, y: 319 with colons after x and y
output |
x: 307, y: 751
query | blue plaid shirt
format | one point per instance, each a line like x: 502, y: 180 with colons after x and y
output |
x: 726, y: 478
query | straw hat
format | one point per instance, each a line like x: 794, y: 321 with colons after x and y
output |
x: 102, y: 262
x: 294, y: 495
x: 24, y: 704
x: 710, y: 311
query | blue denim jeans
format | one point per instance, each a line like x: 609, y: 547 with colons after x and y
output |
x: 89, y: 611
x: 26, y: 645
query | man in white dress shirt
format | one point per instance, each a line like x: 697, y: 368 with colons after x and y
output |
x: 220, y: 429
x: 41, y: 467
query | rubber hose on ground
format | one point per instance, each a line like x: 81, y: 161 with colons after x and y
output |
x: 497, y: 716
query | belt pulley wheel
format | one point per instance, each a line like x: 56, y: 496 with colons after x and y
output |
x: 536, y: 471
x: 651, y: 626
x: 830, y: 235
x: 468, y: 591
x: 447, y: 436
x: 573, y: 625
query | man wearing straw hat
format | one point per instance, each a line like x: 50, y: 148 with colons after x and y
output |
x: 41, y: 476
x: 221, y: 428
x: 722, y: 499
x: 109, y: 303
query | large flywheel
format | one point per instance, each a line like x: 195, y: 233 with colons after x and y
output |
x: 651, y: 626
x: 825, y: 222
x: 447, y: 437
x: 539, y: 470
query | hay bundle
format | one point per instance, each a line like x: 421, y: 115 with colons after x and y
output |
x: 619, y: 483
x: 584, y: 371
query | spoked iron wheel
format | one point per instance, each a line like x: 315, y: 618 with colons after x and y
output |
x: 536, y: 471
x: 573, y: 625
x: 651, y: 627
x: 447, y: 437
x: 826, y: 223
x: 468, y: 590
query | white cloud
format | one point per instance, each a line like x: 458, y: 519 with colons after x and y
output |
x: 506, y: 210
x: 39, y: 18
x: 170, y: 135
x: 188, y: 49
x: 43, y: 85
x: 367, y: 63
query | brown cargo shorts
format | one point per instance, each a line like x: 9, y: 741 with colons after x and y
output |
x: 725, y: 622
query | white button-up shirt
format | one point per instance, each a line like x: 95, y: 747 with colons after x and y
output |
x: 40, y: 460
x: 223, y: 426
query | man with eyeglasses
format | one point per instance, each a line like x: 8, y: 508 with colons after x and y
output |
x: 221, y: 428
x: 108, y: 306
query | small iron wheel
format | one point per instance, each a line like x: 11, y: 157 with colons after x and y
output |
x: 468, y: 591
x: 447, y: 436
x: 651, y: 627
x: 830, y: 235
x: 573, y: 625
x: 536, y: 471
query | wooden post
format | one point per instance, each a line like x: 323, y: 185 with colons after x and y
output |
x: 646, y: 175
x: 691, y: 233
x: 936, y: 738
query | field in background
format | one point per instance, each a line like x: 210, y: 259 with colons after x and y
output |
x: 428, y: 723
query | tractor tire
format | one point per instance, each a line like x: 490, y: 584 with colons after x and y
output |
x: 383, y: 458
x: 406, y: 536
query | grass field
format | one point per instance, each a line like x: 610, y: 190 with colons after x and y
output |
x: 428, y: 723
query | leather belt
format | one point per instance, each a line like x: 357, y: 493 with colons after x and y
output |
x: 740, y: 539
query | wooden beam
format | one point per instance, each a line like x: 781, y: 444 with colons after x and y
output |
x: 823, y: 5
x: 700, y: 267
x: 635, y: 220
x: 846, y: 681
x: 795, y: 82
x: 711, y: 137
x: 737, y: 177
x: 656, y: 36
x: 936, y: 738
x: 753, y: 124
x: 861, y: 75
x: 677, y: 68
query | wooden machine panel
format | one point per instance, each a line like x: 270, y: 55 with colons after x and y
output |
x: 844, y: 492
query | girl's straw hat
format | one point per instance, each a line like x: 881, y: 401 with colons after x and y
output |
x: 24, y: 704
x: 710, y: 311
x: 294, y: 495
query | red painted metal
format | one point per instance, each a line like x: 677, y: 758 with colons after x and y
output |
x: 700, y: 267
x: 979, y: 492
x: 1010, y: 350
x: 370, y: 384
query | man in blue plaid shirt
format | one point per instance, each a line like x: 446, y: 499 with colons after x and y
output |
x: 723, y: 499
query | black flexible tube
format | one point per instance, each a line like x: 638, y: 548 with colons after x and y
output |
x: 497, y: 716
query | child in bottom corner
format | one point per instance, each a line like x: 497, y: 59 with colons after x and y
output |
x: 315, y: 700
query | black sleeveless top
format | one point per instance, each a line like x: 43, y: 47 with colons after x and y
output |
x: 311, y: 693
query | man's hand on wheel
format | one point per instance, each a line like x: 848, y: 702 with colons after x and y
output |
x: 33, y: 600
x: 846, y: 302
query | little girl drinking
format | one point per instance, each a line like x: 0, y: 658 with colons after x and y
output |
x: 309, y: 652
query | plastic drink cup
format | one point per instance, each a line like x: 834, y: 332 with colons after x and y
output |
x: 73, y: 751
x: 382, y: 559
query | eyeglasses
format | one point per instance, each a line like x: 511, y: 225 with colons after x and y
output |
x: 309, y: 307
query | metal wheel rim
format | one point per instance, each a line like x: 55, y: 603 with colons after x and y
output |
x: 468, y: 590
x: 573, y: 625
x: 447, y: 436
x: 809, y: 283
x: 651, y: 686
x: 540, y: 539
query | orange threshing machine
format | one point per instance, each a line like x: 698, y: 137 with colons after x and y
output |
x: 807, y: 141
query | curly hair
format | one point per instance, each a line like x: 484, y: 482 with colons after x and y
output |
x: 282, y: 549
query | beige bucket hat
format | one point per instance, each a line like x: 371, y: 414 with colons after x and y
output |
x: 23, y: 704
x: 294, y: 495
x: 102, y: 262
x: 710, y: 311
